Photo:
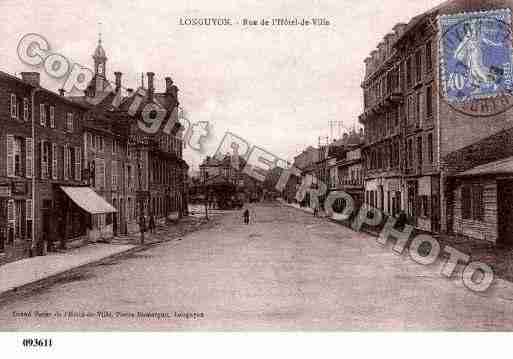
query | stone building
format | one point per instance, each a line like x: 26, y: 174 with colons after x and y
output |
x: 35, y: 166
x: 414, y: 128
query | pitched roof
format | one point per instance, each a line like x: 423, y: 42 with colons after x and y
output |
x: 504, y: 166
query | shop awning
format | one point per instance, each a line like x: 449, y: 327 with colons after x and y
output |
x: 88, y: 200
x: 504, y: 166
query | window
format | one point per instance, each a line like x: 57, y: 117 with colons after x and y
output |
x: 430, y: 148
x: 18, y: 157
x: 429, y: 102
x: 466, y: 202
x: 14, y: 108
x: 25, y: 109
x: 69, y: 122
x: 477, y: 202
x: 42, y: 115
x: 424, y: 206
x: 409, y: 69
x: 418, y: 65
x: 419, y: 150
x: 52, y: 116
x: 114, y: 174
x: 472, y: 202
x: 429, y: 57
x: 418, y: 100
x: 410, y: 153
x: 46, y: 148
x: 99, y: 173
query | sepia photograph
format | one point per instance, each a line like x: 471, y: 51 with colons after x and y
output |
x: 310, y: 166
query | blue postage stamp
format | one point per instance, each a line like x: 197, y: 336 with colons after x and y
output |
x: 476, y: 55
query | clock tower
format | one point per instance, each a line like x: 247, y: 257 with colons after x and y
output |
x: 99, y: 83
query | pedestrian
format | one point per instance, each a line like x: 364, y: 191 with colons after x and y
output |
x: 152, y: 224
x: 316, y: 211
x: 246, y: 216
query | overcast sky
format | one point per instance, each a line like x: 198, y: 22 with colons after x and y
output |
x: 277, y: 87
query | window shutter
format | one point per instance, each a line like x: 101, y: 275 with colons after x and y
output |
x: 114, y: 174
x: 97, y: 170
x: 28, y: 157
x: 10, y: 213
x: 25, y: 109
x: 28, y: 209
x: 54, y: 162
x: 52, y: 116
x: 42, y: 114
x: 10, y: 155
x: 103, y: 173
x: 66, y: 161
x: 13, y: 106
x: 44, y: 166
x: 78, y: 164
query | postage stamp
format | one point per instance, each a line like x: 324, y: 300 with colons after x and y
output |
x: 476, y: 61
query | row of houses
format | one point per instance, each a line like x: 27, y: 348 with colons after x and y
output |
x: 78, y: 167
x: 447, y: 164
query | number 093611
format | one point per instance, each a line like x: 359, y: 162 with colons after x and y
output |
x: 37, y: 342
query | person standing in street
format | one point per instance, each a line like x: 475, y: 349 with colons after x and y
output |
x: 152, y: 224
x: 246, y: 216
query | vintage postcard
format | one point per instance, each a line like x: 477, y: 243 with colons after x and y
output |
x: 256, y: 166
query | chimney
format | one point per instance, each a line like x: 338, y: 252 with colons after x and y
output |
x: 151, y: 88
x: 169, y: 84
x: 118, y: 80
x: 61, y: 91
x: 171, y: 89
x: 32, y: 78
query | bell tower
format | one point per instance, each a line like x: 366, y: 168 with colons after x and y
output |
x: 100, y: 59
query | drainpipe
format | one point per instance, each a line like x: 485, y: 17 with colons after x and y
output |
x: 33, y: 209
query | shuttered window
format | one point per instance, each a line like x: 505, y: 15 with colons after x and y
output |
x: 25, y: 109
x: 14, y: 107
x: 44, y: 159
x: 52, y: 116
x: 11, y: 214
x: 28, y: 209
x: 54, y: 162
x: 78, y: 164
x: 114, y: 169
x: 42, y: 114
x: 66, y: 162
x: 10, y: 155
x: 28, y: 157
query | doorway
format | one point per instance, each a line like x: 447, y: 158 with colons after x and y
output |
x: 505, y: 211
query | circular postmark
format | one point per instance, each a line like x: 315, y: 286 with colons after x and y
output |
x: 476, y: 62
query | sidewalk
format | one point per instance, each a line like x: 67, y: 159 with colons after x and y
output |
x: 26, y: 273
x: 501, y: 260
x: 304, y: 209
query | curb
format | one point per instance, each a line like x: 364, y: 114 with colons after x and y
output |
x: 28, y: 288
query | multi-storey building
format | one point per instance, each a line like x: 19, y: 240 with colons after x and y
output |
x: 37, y: 163
x: 80, y: 167
x: 413, y: 130
x: 141, y: 174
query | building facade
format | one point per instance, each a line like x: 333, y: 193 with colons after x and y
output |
x: 412, y: 128
x: 32, y: 171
